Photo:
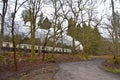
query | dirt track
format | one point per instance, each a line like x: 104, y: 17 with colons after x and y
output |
x: 89, y: 70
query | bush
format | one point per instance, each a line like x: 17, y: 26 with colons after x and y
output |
x: 84, y: 57
x: 52, y: 59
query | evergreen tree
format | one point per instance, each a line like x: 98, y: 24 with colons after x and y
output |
x: 25, y: 16
x: 72, y: 32
x: 45, y: 24
x: 70, y: 27
x: 90, y: 38
x: 96, y: 42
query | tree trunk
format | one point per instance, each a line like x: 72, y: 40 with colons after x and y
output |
x: 62, y: 43
x: 73, y: 41
x: 14, y: 45
x: 54, y: 41
x: 45, y: 43
x: 115, y: 30
x: 32, y: 41
x: 4, y: 9
x: 2, y: 34
x: 54, y: 27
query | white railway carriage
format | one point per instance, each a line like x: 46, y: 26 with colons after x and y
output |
x: 47, y: 48
x: 28, y: 47
x: 36, y: 47
x: 58, y: 49
x: 7, y: 44
x: 68, y: 50
x: 24, y: 46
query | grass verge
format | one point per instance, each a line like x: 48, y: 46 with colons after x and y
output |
x: 116, y: 71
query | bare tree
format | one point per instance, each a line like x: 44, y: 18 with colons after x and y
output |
x: 56, y: 7
x: 4, y: 10
x: 76, y: 7
x: 115, y: 30
x: 92, y: 18
x: 13, y: 14
x: 34, y: 7
x: 64, y: 15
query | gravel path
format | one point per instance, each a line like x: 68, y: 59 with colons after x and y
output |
x: 89, y: 70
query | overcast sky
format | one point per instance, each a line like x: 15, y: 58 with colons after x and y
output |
x: 102, y: 9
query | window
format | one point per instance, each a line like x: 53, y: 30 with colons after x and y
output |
x: 56, y: 50
x: 47, y: 49
x: 19, y: 46
x: 59, y: 50
x: 25, y: 47
x: 7, y: 45
x: 36, y: 47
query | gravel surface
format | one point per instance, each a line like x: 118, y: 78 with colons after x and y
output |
x: 89, y: 70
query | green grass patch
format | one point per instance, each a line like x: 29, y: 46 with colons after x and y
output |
x: 116, y: 71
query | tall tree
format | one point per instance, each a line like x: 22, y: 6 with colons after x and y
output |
x: 33, y: 9
x: 44, y: 24
x: 71, y: 31
x: 115, y: 28
x: 59, y: 26
x: 86, y: 38
x: 96, y: 41
x: 62, y: 19
x: 91, y: 40
x: 13, y: 14
x: 2, y: 15
x: 25, y: 16
x: 75, y: 13
x: 56, y: 7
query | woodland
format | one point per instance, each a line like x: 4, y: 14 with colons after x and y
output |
x: 92, y: 23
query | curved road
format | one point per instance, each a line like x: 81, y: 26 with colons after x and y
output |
x: 89, y: 70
